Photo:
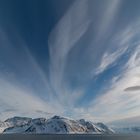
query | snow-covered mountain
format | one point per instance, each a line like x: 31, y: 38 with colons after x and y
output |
x: 96, y: 127
x: 54, y: 125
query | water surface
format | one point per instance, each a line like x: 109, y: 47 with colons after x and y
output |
x: 68, y: 137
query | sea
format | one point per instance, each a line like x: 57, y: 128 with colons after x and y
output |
x: 67, y: 137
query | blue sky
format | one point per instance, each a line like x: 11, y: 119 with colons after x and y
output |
x: 78, y: 59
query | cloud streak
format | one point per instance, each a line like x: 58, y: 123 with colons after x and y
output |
x: 62, y: 39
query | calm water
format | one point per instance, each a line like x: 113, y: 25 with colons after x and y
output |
x: 68, y: 137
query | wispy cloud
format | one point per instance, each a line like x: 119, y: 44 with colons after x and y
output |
x: 109, y: 59
x: 62, y: 39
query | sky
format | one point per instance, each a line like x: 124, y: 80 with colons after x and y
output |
x: 74, y: 58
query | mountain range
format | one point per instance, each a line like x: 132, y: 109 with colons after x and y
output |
x: 53, y: 125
